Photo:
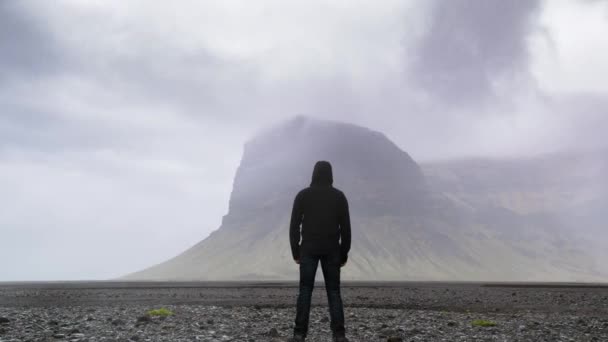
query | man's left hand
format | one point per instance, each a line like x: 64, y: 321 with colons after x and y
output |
x: 297, y: 261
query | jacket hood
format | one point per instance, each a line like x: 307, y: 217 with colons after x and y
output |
x: 322, y: 174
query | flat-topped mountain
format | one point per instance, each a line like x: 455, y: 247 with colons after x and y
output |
x: 405, y: 225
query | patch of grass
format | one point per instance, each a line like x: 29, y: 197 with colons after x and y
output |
x: 160, y: 312
x: 483, y: 323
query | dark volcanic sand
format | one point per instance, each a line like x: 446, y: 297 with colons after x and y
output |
x: 246, y: 311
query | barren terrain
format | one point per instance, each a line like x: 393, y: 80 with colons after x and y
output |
x: 264, y: 311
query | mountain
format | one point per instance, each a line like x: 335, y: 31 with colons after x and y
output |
x: 435, y: 222
x: 563, y: 193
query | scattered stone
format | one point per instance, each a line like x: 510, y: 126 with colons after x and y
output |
x: 169, y: 326
x: 385, y: 333
x: 414, y: 332
x: 273, y: 332
x: 4, y: 320
x: 144, y: 319
x: 118, y: 322
x: 408, y: 314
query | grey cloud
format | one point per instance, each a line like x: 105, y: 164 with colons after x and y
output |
x: 584, y: 119
x: 27, y: 49
x: 469, y: 45
x: 162, y: 73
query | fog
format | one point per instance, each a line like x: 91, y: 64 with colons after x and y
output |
x: 122, y: 123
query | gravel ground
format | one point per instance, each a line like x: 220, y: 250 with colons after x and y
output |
x: 406, y: 312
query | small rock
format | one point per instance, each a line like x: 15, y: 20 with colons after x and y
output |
x: 414, y: 331
x: 4, y: 320
x: 394, y: 339
x: 144, y: 319
x: 134, y: 338
x: 386, y: 333
x: 324, y: 319
x: 273, y: 332
x: 118, y: 322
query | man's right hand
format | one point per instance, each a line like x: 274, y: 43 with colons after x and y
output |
x: 342, y: 264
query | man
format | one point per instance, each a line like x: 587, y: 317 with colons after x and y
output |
x: 322, y: 211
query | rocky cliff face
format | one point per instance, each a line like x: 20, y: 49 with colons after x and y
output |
x: 403, y: 227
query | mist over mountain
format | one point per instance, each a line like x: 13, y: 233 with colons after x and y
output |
x: 463, y: 220
x: 564, y: 193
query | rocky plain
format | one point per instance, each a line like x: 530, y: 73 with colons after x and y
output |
x: 264, y: 311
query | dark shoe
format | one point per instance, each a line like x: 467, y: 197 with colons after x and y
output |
x: 340, y: 339
x: 297, y: 338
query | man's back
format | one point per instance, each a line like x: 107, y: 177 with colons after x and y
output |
x: 321, y: 211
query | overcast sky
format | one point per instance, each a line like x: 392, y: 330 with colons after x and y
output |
x: 122, y: 122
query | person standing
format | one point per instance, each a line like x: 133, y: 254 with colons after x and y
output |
x: 320, y: 232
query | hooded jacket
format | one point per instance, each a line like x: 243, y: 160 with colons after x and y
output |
x: 320, y: 217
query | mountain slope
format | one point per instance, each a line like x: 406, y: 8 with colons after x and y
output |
x: 404, y: 227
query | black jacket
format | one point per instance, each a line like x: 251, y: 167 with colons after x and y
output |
x: 322, y: 212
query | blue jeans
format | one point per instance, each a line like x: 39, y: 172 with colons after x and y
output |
x: 330, y: 264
